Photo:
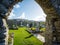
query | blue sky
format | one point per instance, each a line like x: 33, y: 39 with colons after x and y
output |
x: 27, y: 9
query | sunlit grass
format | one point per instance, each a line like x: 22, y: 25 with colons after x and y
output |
x: 43, y: 29
x: 21, y: 34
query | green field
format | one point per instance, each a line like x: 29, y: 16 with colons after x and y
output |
x: 20, y: 37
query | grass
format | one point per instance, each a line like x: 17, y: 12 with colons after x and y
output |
x: 21, y: 34
x: 43, y: 29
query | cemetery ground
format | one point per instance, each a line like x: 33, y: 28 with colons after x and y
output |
x: 20, y: 37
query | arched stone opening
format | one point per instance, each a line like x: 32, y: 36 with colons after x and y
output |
x: 52, y: 21
x: 5, y: 8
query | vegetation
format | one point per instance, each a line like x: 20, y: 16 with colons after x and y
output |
x: 20, y: 37
x: 42, y: 29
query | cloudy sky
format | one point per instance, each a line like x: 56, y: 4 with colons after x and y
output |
x: 27, y: 9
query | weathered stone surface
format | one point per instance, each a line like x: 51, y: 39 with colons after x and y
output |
x: 51, y: 8
x: 6, y: 7
x: 2, y: 41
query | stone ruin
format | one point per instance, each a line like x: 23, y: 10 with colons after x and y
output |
x: 50, y: 7
x: 6, y: 7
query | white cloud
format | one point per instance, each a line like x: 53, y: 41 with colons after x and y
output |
x: 11, y: 15
x: 40, y: 18
x: 17, y: 6
x: 23, y: 16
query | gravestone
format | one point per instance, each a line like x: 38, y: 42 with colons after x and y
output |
x: 37, y: 26
x: 21, y: 23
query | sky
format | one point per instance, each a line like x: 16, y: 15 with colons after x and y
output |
x: 28, y: 9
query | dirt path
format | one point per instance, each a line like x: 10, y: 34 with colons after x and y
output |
x: 40, y: 37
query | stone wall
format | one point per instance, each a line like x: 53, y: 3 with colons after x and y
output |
x: 52, y: 33
x: 6, y: 7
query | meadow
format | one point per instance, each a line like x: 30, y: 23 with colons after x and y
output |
x: 20, y: 37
